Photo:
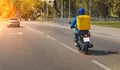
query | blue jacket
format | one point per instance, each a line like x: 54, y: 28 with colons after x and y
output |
x: 74, y: 24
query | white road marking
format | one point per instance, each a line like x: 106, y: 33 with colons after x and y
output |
x: 11, y: 33
x: 50, y: 37
x: 36, y: 30
x: 1, y: 28
x: 20, y: 33
x: 17, y: 33
x: 69, y: 47
x: 101, y: 65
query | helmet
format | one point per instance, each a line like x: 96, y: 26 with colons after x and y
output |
x: 81, y: 11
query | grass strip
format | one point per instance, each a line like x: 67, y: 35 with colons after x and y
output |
x: 107, y: 24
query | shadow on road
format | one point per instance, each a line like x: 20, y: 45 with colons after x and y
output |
x: 16, y: 27
x: 101, y: 52
x: 21, y: 27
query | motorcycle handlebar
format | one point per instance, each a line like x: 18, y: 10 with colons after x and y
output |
x: 73, y: 27
x: 69, y: 22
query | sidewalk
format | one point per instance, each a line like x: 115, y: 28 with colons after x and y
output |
x: 109, y: 32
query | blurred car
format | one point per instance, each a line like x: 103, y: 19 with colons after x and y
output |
x: 13, y: 22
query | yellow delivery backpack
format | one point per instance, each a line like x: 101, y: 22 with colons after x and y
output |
x: 83, y: 22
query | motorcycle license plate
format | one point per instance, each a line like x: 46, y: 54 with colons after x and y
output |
x: 86, y: 39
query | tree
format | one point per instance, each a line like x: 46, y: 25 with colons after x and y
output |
x: 114, y: 8
x: 100, y: 8
x: 24, y: 8
x: 84, y: 4
x: 6, y: 9
x: 36, y: 8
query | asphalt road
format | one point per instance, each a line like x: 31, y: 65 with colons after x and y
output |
x: 39, y: 46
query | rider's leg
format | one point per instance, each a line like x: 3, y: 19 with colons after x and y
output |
x: 76, y: 38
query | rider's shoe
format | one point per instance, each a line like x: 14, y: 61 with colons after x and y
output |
x: 75, y: 44
x: 90, y: 45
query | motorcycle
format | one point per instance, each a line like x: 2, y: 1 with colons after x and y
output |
x: 83, y: 42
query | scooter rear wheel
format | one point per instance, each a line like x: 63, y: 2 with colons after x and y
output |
x: 86, y: 48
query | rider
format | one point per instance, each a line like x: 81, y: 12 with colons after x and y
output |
x: 81, y: 11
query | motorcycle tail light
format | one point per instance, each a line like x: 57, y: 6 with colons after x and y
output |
x: 86, y: 35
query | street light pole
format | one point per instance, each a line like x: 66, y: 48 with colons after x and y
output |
x: 47, y: 11
x: 69, y: 9
x: 90, y: 7
x: 61, y: 9
x: 65, y: 12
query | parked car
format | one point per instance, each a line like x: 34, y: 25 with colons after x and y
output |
x: 13, y: 22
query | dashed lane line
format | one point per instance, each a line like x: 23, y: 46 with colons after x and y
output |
x: 17, y: 33
x: 50, y: 37
x: 66, y: 46
x: 36, y: 30
x: 101, y: 65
